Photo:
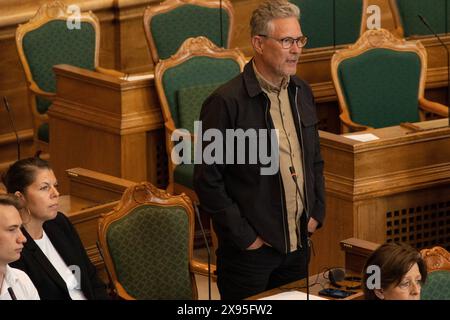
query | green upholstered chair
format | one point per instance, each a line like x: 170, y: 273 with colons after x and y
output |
x: 147, y: 245
x: 380, y: 82
x: 52, y: 37
x: 407, y: 23
x: 437, y: 286
x: 183, y: 82
x: 168, y: 24
x: 319, y: 18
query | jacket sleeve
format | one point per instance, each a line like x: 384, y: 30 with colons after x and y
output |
x: 97, y: 286
x: 209, y: 179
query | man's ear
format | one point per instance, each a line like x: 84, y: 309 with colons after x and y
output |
x: 379, y: 293
x: 257, y: 44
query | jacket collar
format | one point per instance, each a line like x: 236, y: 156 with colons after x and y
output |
x: 40, y: 258
x: 252, y: 84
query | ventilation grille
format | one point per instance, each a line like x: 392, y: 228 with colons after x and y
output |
x: 422, y: 226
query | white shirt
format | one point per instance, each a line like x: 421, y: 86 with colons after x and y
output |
x: 64, y: 271
x: 20, y: 283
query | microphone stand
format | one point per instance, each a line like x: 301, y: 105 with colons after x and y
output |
x: 8, y: 110
x: 11, y: 293
x: 448, y: 57
x: 305, y: 229
x: 112, y: 286
x: 207, y: 249
x: 221, y: 25
x: 334, y: 24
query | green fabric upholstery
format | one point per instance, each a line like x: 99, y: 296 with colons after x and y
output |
x: 184, y: 175
x: 42, y: 104
x: 196, y: 71
x: 51, y: 44
x: 150, y: 251
x: 381, y: 87
x: 43, y: 132
x: 316, y: 18
x: 437, y: 286
x: 432, y: 10
x: 190, y: 101
x: 170, y: 29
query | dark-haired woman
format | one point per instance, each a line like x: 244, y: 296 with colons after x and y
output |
x: 53, y: 256
x: 394, y: 272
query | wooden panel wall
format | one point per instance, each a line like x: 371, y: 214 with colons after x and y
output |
x: 123, y: 47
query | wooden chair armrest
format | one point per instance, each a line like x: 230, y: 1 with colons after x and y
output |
x: 169, y: 127
x: 121, y: 292
x: 171, y: 130
x: 39, y: 92
x: 201, y: 268
x: 352, y: 126
x: 433, y: 107
x: 111, y: 72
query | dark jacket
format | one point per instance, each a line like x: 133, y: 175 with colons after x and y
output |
x: 242, y: 202
x: 44, y: 276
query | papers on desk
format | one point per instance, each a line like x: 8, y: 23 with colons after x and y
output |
x: 364, y: 137
x: 137, y: 76
x: 292, y: 295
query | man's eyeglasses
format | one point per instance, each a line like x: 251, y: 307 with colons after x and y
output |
x: 286, y: 43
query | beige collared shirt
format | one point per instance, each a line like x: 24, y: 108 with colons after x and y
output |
x: 290, y: 152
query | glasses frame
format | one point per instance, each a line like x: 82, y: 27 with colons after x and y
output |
x: 300, y: 41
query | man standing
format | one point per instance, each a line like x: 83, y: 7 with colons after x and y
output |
x: 262, y: 221
x: 14, y: 283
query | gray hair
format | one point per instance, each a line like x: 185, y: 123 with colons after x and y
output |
x: 260, y: 22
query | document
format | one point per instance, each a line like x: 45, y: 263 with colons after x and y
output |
x: 137, y: 76
x: 364, y: 137
x: 292, y: 295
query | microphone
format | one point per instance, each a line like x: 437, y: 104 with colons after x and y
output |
x: 334, y: 24
x: 8, y: 110
x: 294, y: 177
x: 221, y: 25
x: 111, y: 282
x: 448, y: 57
x: 12, y: 294
x: 207, y: 249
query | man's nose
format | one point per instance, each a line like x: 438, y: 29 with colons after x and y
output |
x: 21, y: 238
x: 295, y: 48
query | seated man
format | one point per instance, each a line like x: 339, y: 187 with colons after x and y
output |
x: 14, y: 283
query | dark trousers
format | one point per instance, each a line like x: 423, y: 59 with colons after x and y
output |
x: 241, y: 274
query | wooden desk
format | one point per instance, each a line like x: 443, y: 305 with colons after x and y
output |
x: 396, y: 188
x: 356, y: 253
x: 102, y: 123
x: 317, y: 282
